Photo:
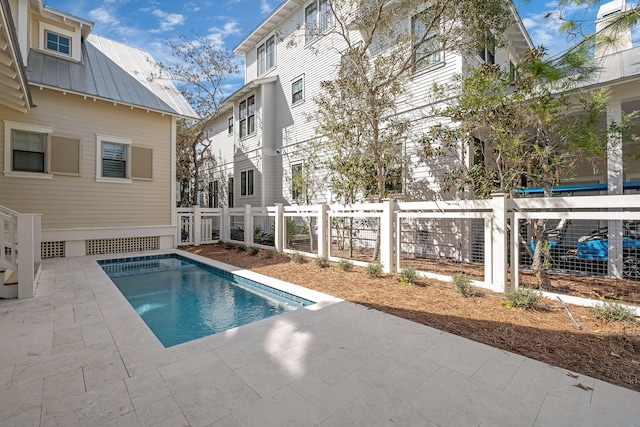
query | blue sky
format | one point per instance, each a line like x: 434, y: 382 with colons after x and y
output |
x: 147, y: 24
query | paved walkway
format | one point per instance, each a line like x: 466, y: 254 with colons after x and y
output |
x: 78, y: 355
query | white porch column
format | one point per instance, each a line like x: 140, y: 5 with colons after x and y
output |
x: 386, y: 235
x: 280, y: 228
x: 615, y: 181
x: 499, y: 240
x: 323, y: 231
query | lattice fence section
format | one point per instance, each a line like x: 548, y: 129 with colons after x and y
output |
x: 50, y: 250
x: 127, y: 244
x: 301, y: 234
x: 446, y: 246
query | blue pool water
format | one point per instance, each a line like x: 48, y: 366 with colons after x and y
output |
x: 182, y: 300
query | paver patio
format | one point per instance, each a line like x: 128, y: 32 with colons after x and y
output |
x: 77, y: 354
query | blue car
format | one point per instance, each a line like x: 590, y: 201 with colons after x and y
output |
x: 595, y: 247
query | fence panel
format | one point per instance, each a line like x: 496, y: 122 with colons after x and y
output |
x: 264, y: 229
x: 575, y: 253
x: 444, y: 243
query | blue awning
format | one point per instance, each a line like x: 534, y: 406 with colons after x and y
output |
x: 631, y: 185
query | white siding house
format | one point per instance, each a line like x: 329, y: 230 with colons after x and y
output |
x: 87, y: 138
x: 283, y: 72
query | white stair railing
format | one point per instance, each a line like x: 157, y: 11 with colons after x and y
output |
x: 20, y: 237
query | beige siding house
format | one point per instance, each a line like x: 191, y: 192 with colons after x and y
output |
x: 88, y: 139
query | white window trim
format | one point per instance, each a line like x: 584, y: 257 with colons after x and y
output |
x: 74, y: 38
x: 8, y: 146
x: 301, y: 101
x: 100, y: 139
x: 317, y: 31
x: 246, y: 183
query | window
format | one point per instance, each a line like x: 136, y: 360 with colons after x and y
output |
x: 113, y: 160
x: 230, y: 125
x: 58, y: 43
x: 247, y: 116
x: 513, y: 72
x: 296, y: 181
x: 230, y: 192
x: 214, y: 200
x: 266, y: 55
x: 488, y: 54
x: 246, y: 183
x: 318, y: 18
x: 27, y: 151
x: 297, y: 90
x: 426, y: 46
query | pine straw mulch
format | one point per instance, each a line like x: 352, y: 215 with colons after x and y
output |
x: 609, y: 351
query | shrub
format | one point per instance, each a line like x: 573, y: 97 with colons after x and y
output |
x: 408, y: 276
x: 525, y: 298
x: 345, y: 265
x: 269, y: 253
x: 229, y: 246
x: 297, y: 258
x: 242, y: 248
x: 462, y: 283
x: 322, y: 262
x: 613, y: 312
x: 253, y: 250
x: 374, y: 269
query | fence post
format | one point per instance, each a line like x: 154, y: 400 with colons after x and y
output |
x: 386, y: 235
x: 223, y: 224
x: 280, y: 228
x: 323, y: 231
x: 248, y: 226
x: 499, y: 240
x: 197, y: 226
x: 26, y: 257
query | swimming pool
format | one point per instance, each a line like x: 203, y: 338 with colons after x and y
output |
x: 181, y: 299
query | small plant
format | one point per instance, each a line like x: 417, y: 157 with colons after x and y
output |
x: 408, y: 276
x: 525, y: 298
x: 462, y: 283
x: 613, y: 312
x: 374, y: 269
x: 297, y: 258
x: 253, y: 251
x: 229, y: 246
x: 322, y: 262
x: 345, y: 265
x: 241, y: 248
x: 269, y: 253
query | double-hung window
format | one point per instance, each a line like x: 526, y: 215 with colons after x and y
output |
x: 266, y: 55
x: 426, y: 46
x: 214, y: 200
x: 29, y: 151
x: 297, y: 90
x: 247, y: 115
x: 318, y: 18
x: 296, y: 181
x: 113, y: 163
x: 246, y: 183
x: 488, y: 54
x: 230, y: 125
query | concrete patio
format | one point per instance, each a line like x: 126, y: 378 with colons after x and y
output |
x: 77, y: 354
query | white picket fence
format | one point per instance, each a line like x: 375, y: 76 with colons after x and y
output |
x: 486, y: 239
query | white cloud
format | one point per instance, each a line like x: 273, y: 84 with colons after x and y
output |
x: 167, y: 20
x: 217, y: 34
x: 103, y: 16
x: 265, y: 8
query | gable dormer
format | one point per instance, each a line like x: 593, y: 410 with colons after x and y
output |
x: 57, y: 33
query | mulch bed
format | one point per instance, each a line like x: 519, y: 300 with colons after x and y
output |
x: 609, y: 351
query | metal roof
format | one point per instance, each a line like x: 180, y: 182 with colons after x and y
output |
x: 110, y: 71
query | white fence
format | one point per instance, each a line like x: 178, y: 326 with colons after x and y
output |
x: 593, y: 242
x: 20, y: 241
